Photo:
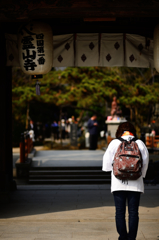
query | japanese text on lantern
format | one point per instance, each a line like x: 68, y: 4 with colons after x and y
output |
x: 33, y: 52
x: 40, y: 48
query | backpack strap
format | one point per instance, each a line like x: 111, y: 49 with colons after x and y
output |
x: 123, y: 140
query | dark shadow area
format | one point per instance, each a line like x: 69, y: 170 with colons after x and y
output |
x: 31, y: 200
x: 34, y: 200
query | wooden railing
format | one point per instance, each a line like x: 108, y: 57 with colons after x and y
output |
x: 152, y: 141
x: 109, y: 139
x: 26, y: 146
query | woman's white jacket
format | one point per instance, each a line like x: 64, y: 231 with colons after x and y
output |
x: 131, y: 185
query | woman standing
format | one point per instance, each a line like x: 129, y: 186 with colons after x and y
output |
x: 130, y: 190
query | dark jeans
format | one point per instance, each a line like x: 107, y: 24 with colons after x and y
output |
x: 133, y: 198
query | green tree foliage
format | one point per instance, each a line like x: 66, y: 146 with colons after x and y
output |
x: 142, y: 93
x: 136, y: 89
x: 90, y: 88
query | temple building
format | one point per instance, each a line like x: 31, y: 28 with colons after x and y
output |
x: 39, y: 35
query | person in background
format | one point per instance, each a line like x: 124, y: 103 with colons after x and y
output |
x: 47, y: 130
x: 93, y: 131
x: 32, y: 127
x: 63, y: 128
x: 54, y: 128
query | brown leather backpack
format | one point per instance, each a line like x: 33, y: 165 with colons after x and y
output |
x: 127, y: 162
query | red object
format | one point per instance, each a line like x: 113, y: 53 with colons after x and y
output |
x: 126, y: 133
x: 22, y: 152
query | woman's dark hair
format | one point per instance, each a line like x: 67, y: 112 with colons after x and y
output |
x: 126, y: 126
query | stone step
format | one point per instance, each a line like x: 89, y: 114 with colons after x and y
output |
x: 69, y: 181
x: 69, y: 176
x: 67, y: 172
x: 66, y: 168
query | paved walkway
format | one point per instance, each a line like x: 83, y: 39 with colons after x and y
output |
x: 72, y: 212
x: 67, y: 158
x: 79, y: 212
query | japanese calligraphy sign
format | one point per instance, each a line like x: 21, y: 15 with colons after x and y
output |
x: 35, y: 44
x: 37, y: 55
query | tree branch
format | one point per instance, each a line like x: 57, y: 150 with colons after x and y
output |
x: 86, y: 109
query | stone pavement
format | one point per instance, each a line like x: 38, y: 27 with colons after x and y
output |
x: 68, y: 158
x: 79, y: 212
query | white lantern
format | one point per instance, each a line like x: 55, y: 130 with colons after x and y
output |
x: 156, y: 48
x: 35, y: 44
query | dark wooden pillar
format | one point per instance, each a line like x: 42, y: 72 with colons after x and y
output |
x: 6, y: 158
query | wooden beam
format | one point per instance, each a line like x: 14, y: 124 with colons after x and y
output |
x: 6, y: 158
x: 99, y: 19
x: 28, y: 10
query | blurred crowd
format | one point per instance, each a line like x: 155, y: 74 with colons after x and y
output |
x: 56, y: 129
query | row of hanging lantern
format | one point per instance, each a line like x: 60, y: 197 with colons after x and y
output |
x: 35, y: 43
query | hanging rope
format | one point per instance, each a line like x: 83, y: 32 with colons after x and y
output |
x: 37, y: 88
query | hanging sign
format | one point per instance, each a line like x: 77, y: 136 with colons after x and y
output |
x: 35, y: 45
x: 156, y: 48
